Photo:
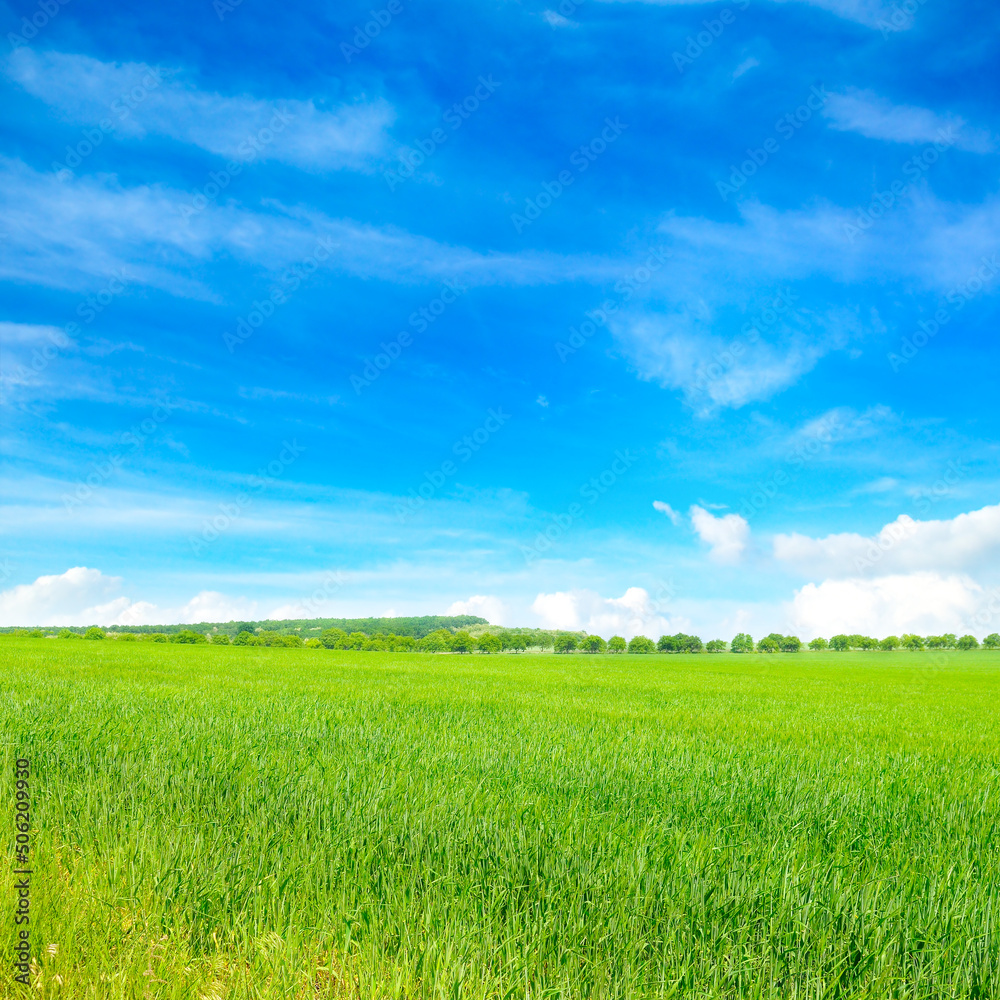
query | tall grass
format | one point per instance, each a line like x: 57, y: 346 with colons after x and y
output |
x: 216, y: 822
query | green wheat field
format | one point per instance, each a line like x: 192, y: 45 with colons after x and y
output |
x: 215, y: 822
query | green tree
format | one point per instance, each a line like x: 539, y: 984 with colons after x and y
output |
x: 518, y: 642
x: 790, y: 644
x: 616, y: 644
x: 291, y: 641
x: 313, y: 643
x: 65, y: 633
x: 244, y: 638
x: 94, y: 633
x: 910, y: 641
x: 715, y: 646
x: 187, y: 636
x: 742, y: 643
x: 641, y: 644
x: 992, y: 641
x: 889, y: 643
x: 867, y: 642
x: 593, y: 644
x: 462, y: 642
x: 333, y: 638
x: 665, y: 644
x: 221, y: 639
x: 489, y: 643
x: 157, y: 637
x: 768, y: 644
x: 968, y: 642
x: 356, y: 640
x: 438, y: 641
x: 818, y: 643
x: 127, y: 637
x: 564, y: 643
x: 840, y: 643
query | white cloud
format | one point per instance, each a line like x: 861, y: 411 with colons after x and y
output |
x: 80, y: 596
x: 875, y: 117
x: 32, y: 334
x: 665, y: 508
x: 83, y: 596
x: 86, y: 91
x: 557, y: 20
x: 871, y: 13
x: 961, y: 544
x: 925, y: 603
x: 745, y: 66
x: 76, y: 233
x: 680, y: 351
x: 482, y: 606
x: 634, y: 613
x: 727, y: 536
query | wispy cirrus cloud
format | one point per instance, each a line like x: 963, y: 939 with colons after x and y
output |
x: 871, y: 13
x: 866, y: 113
x: 139, y: 100
x: 73, y: 233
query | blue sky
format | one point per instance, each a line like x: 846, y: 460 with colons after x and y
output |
x: 616, y: 315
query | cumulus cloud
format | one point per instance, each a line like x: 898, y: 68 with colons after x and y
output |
x: 875, y: 117
x: 924, y: 602
x: 84, y: 596
x: 138, y: 99
x: 665, y: 508
x: 962, y: 544
x: 634, y: 613
x: 483, y: 606
x: 727, y: 536
x: 80, y: 596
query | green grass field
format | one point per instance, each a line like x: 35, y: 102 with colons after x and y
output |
x: 214, y: 822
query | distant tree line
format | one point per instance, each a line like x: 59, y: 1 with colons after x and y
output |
x: 417, y: 627
x: 502, y: 640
